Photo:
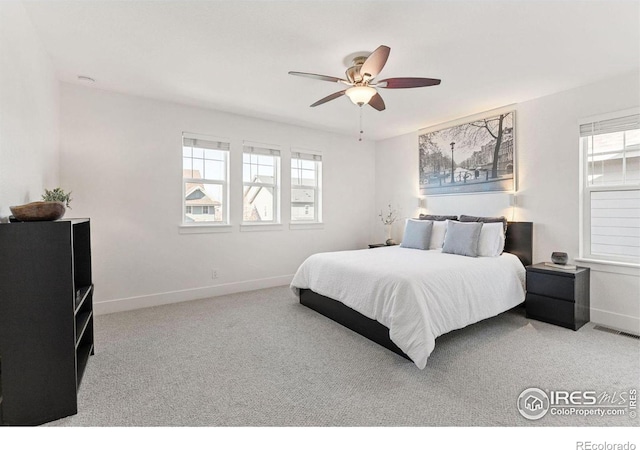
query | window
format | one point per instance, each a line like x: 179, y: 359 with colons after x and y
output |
x: 306, y: 183
x: 611, y: 192
x: 261, y: 184
x: 205, y: 167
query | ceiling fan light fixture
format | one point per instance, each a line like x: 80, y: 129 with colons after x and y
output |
x: 360, y: 95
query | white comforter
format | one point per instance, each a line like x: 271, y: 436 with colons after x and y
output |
x: 418, y: 294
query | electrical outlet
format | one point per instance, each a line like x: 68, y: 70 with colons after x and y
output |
x: 214, y: 273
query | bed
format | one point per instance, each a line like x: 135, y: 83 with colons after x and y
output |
x: 403, y: 298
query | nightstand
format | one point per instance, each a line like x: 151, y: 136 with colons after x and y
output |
x: 380, y: 245
x: 558, y: 296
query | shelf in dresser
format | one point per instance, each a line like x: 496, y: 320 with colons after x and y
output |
x: 82, y: 320
x: 81, y: 296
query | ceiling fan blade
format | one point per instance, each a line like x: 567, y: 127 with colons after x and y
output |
x: 376, y: 102
x: 328, y: 98
x: 319, y: 77
x: 404, y: 83
x: 375, y: 62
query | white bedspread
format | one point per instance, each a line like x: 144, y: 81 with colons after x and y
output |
x: 418, y: 294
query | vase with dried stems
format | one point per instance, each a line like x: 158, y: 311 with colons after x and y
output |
x: 388, y: 219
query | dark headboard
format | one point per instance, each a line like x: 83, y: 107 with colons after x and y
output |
x: 519, y: 241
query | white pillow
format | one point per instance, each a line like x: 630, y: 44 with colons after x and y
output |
x: 437, y: 234
x: 491, y: 242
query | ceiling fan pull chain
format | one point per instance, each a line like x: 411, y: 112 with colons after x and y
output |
x: 360, y: 137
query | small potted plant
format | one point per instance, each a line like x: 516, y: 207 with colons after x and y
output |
x: 52, y: 207
x: 57, y: 195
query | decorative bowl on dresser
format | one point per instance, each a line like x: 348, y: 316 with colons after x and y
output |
x: 558, y: 296
x: 38, y: 211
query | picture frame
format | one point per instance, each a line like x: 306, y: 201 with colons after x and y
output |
x: 477, y: 156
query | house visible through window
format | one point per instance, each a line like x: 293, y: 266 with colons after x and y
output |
x: 611, y: 193
x: 306, y: 182
x: 204, y: 179
x: 261, y: 183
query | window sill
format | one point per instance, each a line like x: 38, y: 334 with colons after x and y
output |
x: 603, y: 265
x: 306, y: 226
x: 261, y: 227
x: 205, y: 228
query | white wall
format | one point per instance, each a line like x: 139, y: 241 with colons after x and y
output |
x: 548, y: 187
x: 29, y: 108
x: 121, y: 155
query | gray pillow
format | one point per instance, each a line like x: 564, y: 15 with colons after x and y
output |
x: 462, y: 238
x: 417, y: 234
x: 502, y: 219
x: 436, y: 218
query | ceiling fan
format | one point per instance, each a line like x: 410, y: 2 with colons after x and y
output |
x: 360, y: 76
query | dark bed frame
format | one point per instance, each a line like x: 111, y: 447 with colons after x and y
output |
x: 518, y: 241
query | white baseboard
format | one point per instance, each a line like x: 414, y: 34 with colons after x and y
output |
x: 616, y: 321
x: 609, y: 319
x: 164, y: 298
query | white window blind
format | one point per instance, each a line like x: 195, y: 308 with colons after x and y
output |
x: 306, y: 156
x: 615, y: 223
x: 611, y: 192
x: 202, y: 143
x: 617, y: 124
x: 260, y: 149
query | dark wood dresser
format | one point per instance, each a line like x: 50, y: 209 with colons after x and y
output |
x: 558, y: 296
x: 46, y: 318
